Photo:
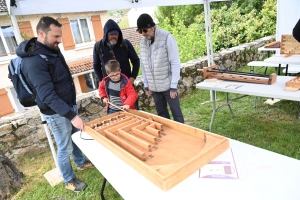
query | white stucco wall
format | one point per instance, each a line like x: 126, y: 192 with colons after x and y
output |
x: 134, y: 13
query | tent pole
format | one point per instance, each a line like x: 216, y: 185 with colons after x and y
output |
x: 208, y: 32
x: 50, y: 142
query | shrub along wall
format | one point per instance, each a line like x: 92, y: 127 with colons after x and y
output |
x: 22, y: 134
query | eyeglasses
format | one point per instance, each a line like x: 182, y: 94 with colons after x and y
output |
x: 114, y: 76
x: 145, y: 30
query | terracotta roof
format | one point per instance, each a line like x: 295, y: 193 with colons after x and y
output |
x: 82, y: 65
x: 133, y: 36
x: 3, y: 7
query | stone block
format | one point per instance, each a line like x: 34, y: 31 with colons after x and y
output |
x: 28, y: 141
x: 24, y: 130
x: 8, y: 138
x: 21, y: 121
x: 41, y: 134
x: 5, y: 129
x: 28, y: 151
x: 187, y: 81
x: 92, y: 108
x: 85, y: 102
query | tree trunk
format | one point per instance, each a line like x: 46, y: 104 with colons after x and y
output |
x: 10, y: 177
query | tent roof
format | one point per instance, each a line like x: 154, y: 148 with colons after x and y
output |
x: 28, y: 7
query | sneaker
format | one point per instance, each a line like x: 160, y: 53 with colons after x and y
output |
x: 76, y: 185
x: 87, y: 164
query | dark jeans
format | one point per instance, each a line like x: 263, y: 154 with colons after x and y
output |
x: 161, y: 99
x: 111, y: 111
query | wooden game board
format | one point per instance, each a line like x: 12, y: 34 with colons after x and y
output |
x: 164, y: 151
x: 293, y: 83
x: 289, y: 45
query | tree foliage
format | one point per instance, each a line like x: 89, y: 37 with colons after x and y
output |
x: 232, y: 24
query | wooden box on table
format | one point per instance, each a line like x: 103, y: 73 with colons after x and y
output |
x: 163, y: 151
x: 293, y: 83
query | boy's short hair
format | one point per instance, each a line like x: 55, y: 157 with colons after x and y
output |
x: 112, y: 66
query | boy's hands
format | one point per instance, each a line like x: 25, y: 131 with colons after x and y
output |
x: 125, y: 107
x: 105, y: 100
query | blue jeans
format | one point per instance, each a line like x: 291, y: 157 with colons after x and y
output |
x: 62, y: 130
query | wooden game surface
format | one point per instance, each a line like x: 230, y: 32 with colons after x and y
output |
x: 289, y: 45
x: 164, y: 151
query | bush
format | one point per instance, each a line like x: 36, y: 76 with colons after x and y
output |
x: 232, y: 24
x: 191, y: 41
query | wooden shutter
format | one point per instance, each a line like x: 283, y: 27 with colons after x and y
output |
x: 5, y: 105
x: 97, y: 26
x: 67, y: 36
x: 26, y: 30
x: 82, y: 83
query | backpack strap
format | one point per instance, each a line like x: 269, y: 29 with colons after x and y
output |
x: 98, y: 47
x: 125, y: 43
x: 50, y: 65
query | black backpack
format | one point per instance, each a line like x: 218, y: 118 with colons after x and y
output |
x: 25, y: 94
x: 99, y: 49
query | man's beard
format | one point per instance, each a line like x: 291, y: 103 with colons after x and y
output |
x: 113, y: 41
x: 56, y: 48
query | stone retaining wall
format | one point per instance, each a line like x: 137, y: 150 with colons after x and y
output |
x: 22, y: 134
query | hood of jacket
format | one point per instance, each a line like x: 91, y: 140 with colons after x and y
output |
x: 110, y: 25
x: 30, y: 48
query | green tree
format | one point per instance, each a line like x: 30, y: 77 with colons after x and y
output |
x: 188, y: 12
x: 232, y: 25
x: 124, y: 23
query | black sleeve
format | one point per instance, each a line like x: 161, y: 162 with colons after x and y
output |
x: 38, y: 74
x: 97, y: 62
x: 296, y: 31
x: 134, y: 59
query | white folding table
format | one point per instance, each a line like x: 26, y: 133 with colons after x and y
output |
x: 265, y: 176
x: 288, y: 61
x: 280, y: 59
x: 261, y: 90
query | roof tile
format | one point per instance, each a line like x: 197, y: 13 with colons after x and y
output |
x: 3, y: 7
x: 133, y: 36
x: 82, y: 65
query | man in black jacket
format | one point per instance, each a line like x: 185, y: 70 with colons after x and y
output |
x: 296, y: 31
x: 114, y: 47
x: 55, y: 95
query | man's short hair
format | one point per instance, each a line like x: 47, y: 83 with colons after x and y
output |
x: 112, y: 66
x: 45, y: 22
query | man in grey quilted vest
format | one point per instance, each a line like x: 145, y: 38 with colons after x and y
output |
x: 160, y: 67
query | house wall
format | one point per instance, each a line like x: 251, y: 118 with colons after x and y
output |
x: 70, y: 55
x: 134, y: 13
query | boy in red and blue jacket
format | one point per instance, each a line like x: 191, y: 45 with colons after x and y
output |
x: 117, y: 89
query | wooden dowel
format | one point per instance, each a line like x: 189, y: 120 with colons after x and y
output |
x: 153, y: 131
x: 116, y: 106
x: 135, y: 140
x: 125, y: 145
x: 144, y: 135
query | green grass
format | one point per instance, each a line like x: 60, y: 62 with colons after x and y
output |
x: 275, y: 128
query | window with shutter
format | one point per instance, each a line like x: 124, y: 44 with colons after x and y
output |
x: 26, y: 30
x: 8, y: 42
x: 80, y: 29
x: 97, y: 26
x: 67, y: 37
